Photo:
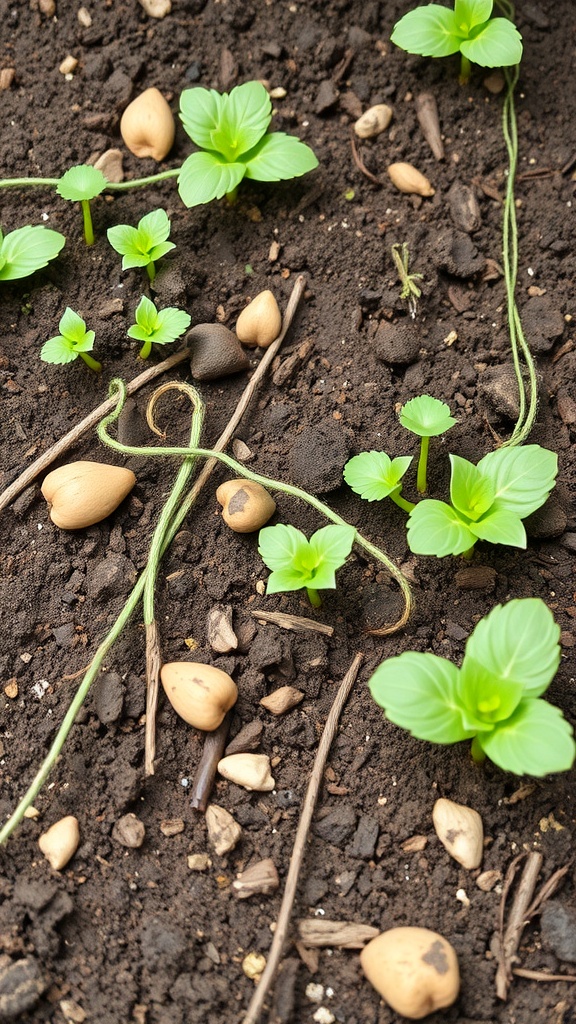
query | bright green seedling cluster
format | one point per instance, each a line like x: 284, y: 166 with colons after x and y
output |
x: 28, y: 249
x: 298, y: 563
x: 157, y: 326
x: 142, y: 246
x: 493, y: 699
x: 73, y: 341
x: 426, y: 417
x: 435, y: 31
x: 81, y: 184
x: 231, y: 131
x: 375, y: 476
x: 488, y: 502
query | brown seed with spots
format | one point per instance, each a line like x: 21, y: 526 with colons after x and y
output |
x: 414, y: 969
x: 246, y: 506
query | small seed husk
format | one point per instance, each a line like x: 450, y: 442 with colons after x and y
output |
x: 459, y: 829
x: 246, y: 505
x: 415, y: 970
x: 260, y: 321
x: 258, y: 879
x: 427, y: 114
x: 408, y: 179
x: 200, y: 694
x: 224, y: 832
x: 147, y: 125
x: 252, y: 771
x: 373, y: 121
x: 60, y: 842
x: 281, y: 700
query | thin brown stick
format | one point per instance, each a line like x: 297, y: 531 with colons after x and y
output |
x: 153, y: 665
x: 269, y: 972
x: 64, y: 443
x: 360, y: 163
x: 295, y: 622
x: 212, y: 753
x: 523, y: 972
x: 511, y: 934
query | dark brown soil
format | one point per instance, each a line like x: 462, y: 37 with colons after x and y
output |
x: 134, y: 934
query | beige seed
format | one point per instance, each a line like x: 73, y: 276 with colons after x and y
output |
x: 60, y: 842
x: 373, y: 121
x: 252, y: 771
x: 459, y: 829
x: 408, y: 179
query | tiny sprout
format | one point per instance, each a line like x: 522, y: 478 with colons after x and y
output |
x: 142, y: 246
x: 158, y: 327
x: 410, y: 289
x: 81, y: 184
x: 426, y: 417
x: 298, y: 563
x: 28, y: 249
x: 73, y: 341
x: 374, y: 476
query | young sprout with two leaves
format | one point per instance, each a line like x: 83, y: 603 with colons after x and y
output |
x: 157, y: 326
x: 73, y: 341
x: 231, y: 130
x: 469, y: 29
x: 375, y: 476
x: 28, y: 249
x: 79, y: 185
x: 493, y: 699
x: 489, y: 502
x: 142, y: 246
x: 298, y: 563
x: 426, y: 417
x: 410, y: 289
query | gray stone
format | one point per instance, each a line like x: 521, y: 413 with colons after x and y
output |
x: 455, y: 253
x: 365, y: 838
x: 215, y: 352
x: 129, y: 831
x: 318, y: 457
x: 543, y: 323
x: 548, y: 521
x: 558, y: 926
x: 338, y: 826
x: 109, y: 578
x: 397, y: 343
x: 109, y: 691
x: 464, y: 208
x: 326, y: 97
x: 498, y: 385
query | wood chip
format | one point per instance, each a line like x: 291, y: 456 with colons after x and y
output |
x: 294, y: 622
x: 11, y: 689
x: 156, y: 8
x: 340, y: 934
x: 221, y: 636
x: 171, y: 827
x: 282, y: 700
x: 7, y: 77
x: 476, y: 577
x: 68, y: 65
x: 288, y: 368
x: 224, y: 832
x: 84, y: 17
x: 261, y: 878
x: 415, y: 844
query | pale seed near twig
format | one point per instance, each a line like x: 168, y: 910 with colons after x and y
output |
x: 246, y: 505
x: 253, y: 964
x: 60, y: 842
x: 415, y: 970
x: 224, y: 832
x: 459, y: 829
x: 200, y: 694
x: 373, y: 121
x: 408, y: 179
x: 281, y: 700
x: 252, y: 771
x: 83, y: 493
x: 260, y: 321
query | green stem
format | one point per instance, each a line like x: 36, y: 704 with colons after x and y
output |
x: 92, y: 363
x: 88, y: 228
x: 478, y: 754
x: 422, y: 465
x: 469, y: 552
x: 406, y: 506
x: 232, y: 197
x: 145, y: 350
x: 465, y: 69
x: 314, y: 597
x: 27, y: 182
x: 123, y: 186
x: 151, y: 271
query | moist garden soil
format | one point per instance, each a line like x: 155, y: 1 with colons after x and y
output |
x: 133, y: 934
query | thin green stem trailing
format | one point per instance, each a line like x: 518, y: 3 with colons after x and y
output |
x: 92, y: 363
x: 28, y: 182
x: 421, y: 481
x: 402, y: 503
x: 113, y: 186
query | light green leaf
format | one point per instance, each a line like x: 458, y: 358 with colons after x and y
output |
x: 154, y: 228
x: 426, y: 416
x: 172, y: 323
x: 487, y: 698
x: 280, y: 546
x: 435, y: 528
x: 157, y: 251
x: 419, y: 693
x: 282, y: 580
x: 332, y: 544
x: 518, y: 641
x: 81, y: 182
x: 497, y: 45
x: 147, y: 316
x: 58, y: 350
x: 471, y: 493
x: 205, y: 177
x: 522, y: 477
x: 28, y: 249
x: 374, y: 475
x: 140, y: 334
x: 130, y: 261
x: 499, y: 526
x: 124, y: 239
x: 430, y: 31
x: 247, y: 112
x: 200, y: 113
x: 470, y: 13
x: 279, y: 157
x: 72, y: 326
x: 536, y: 740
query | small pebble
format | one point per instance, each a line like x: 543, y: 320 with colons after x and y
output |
x: 84, y: 17
x: 68, y: 65
x: 129, y: 831
x: 199, y: 861
x: 215, y: 352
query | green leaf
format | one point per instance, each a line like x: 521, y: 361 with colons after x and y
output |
x: 157, y: 251
x: 282, y: 580
x: 311, y: 564
x: 81, y: 182
x: 426, y: 416
x: 200, y: 113
x: 153, y: 228
x: 172, y: 324
x: 72, y: 326
x: 28, y: 249
x: 329, y: 549
x: 374, y: 475
x: 470, y: 13
x: 499, y: 526
x: 497, y: 45
x: 471, y: 493
x: 419, y: 693
x: 522, y: 477
x: 124, y: 239
x: 204, y: 177
x: 281, y: 545
x: 435, y: 528
x: 518, y: 641
x: 278, y: 157
x: 147, y: 316
x: 247, y: 112
x: 430, y: 31
x: 486, y: 697
x: 58, y: 350
x: 536, y: 740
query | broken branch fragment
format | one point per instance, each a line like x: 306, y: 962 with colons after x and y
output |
x: 338, y: 934
x: 261, y: 878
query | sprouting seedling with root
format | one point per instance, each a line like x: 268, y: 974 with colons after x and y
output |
x: 410, y: 289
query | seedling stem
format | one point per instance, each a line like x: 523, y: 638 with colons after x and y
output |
x: 88, y: 227
x: 421, y: 482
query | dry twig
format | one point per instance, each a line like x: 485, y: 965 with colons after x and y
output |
x: 296, y: 622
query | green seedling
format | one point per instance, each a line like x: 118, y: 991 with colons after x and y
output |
x: 230, y: 129
x: 142, y: 246
x: 489, y: 502
x: 426, y: 417
x: 73, y: 341
x: 410, y: 290
x: 493, y: 699
x: 374, y: 476
x: 435, y: 31
x: 28, y: 249
x: 81, y: 184
x: 157, y: 326
x: 298, y: 563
